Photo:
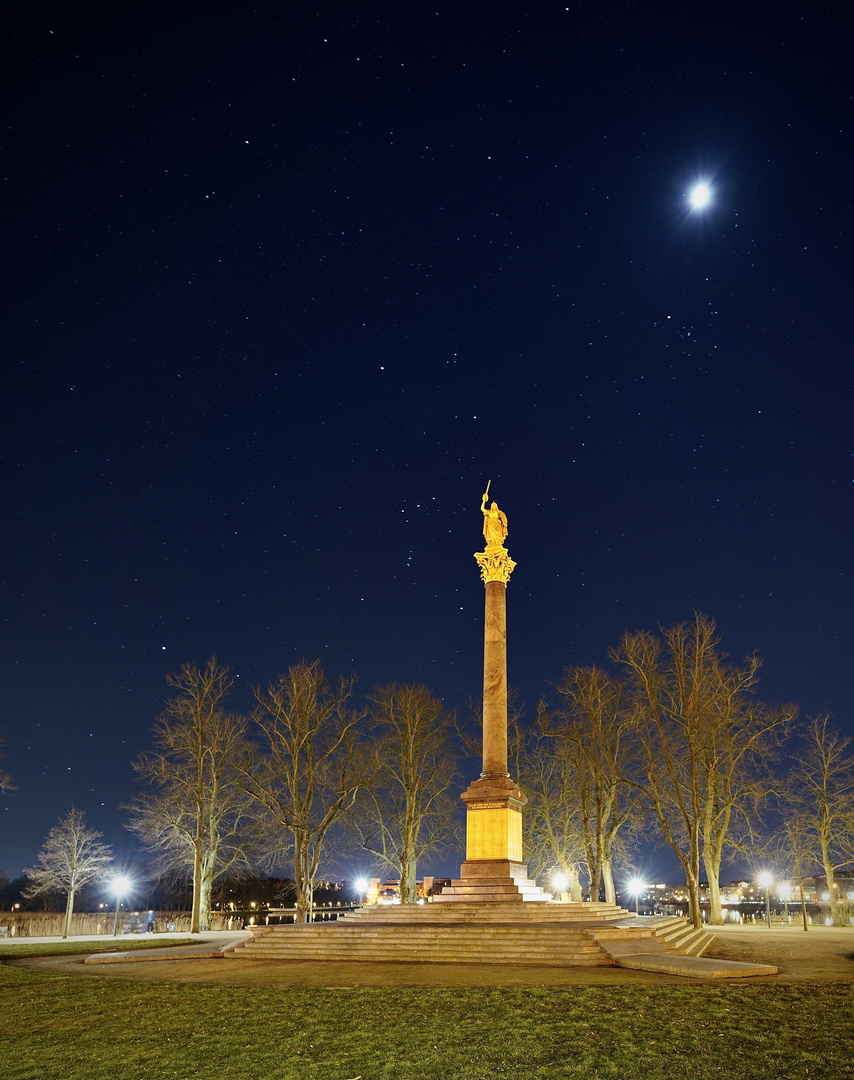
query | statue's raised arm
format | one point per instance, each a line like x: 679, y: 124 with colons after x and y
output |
x: 494, y: 522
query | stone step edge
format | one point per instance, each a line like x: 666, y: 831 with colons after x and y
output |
x: 593, y: 960
x: 694, y: 966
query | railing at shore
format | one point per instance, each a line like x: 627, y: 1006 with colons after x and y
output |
x: 24, y: 924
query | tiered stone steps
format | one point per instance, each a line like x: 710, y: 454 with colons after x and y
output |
x: 679, y: 936
x: 670, y: 946
x: 554, y: 934
x: 497, y: 887
x: 491, y: 912
x: 650, y: 936
x: 452, y: 944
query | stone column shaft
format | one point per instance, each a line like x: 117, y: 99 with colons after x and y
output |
x: 495, y: 682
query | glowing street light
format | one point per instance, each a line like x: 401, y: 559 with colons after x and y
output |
x: 636, y: 887
x: 120, y: 886
x: 362, y: 888
x: 560, y: 883
x: 766, y: 881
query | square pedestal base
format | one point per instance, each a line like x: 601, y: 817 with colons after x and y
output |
x: 484, y: 881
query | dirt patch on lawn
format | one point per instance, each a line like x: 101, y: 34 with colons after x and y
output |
x: 332, y: 975
x: 820, y: 954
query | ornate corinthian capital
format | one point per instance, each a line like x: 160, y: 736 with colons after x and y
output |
x: 495, y: 564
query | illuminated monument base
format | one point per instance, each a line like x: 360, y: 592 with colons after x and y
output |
x: 493, y: 870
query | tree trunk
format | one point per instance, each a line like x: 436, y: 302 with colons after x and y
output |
x: 205, y: 898
x: 408, y: 883
x: 303, y: 882
x: 407, y: 861
x: 594, y: 869
x: 693, y: 879
x: 69, y: 909
x: 197, y: 890
x: 836, y: 916
x: 608, y: 879
x: 694, y: 910
x: 803, y: 904
x: 575, y: 893
x: 712, y: 866
x: 715, y: 828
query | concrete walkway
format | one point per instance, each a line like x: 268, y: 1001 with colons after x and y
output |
x: 211, y: 945
x: 208, y: 943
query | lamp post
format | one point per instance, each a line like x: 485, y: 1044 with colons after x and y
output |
x: 766, y: 881
x: 362, y: 888
x: 120, y: 887
x: 636, y: 887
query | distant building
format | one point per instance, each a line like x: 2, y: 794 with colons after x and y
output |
x: 843, y: 883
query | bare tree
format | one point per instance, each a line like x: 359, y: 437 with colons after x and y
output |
x: 736, y: 773
x: 598, y: 739
x: 553, y: 833
x: 794, y: 847
x: 72, y: 856
x: 820, y: 796
x: 194, y: 809
x: 704, y: 742
x: 410, y: 806
x: 307, y: 778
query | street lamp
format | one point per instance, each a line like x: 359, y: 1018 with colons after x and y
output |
x: 362, y: 888
x: 766, y: 881
x: 120, y: 886
x: 560, y: 882
x: 636, y: 887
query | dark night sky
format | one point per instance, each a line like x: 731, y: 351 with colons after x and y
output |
x: 285, y: 286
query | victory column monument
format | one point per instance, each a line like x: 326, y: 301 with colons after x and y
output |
x: 480, y: 918
x: 493, y: 870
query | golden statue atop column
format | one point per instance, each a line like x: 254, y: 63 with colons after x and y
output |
x: 494, y: 562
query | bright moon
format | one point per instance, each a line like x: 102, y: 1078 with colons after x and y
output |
x: 700, y: 196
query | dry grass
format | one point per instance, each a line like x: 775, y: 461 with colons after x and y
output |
x: 426, y: 1022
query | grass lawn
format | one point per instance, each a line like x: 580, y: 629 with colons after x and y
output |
x: 119, y: 1029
